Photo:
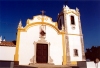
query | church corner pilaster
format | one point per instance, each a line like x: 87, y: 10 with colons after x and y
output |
x: 83, y: 53
x: 64, y: 49
x: 66, y: 38
x: 16, y: 56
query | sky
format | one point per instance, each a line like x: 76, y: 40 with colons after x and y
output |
x: 11, y: 12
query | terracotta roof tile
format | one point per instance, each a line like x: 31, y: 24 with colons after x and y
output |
x: 6, y: 43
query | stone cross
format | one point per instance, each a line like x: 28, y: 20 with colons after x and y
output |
x: 43, y: 12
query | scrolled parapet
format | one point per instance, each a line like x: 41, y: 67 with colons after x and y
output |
x: 67, y: 10
x: 27, y: 21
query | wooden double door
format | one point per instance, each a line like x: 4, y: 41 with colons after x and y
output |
x: 42, y: 53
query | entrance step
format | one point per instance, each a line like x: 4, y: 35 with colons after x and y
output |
x: 44, y: 66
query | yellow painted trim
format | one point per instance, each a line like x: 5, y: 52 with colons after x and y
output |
x: 39, y: 23
x: 17, y: 46
x: 77, y: 14
x: 56, y: 24
x: 42, y: 19
x: 74, y: 63
x: 64, y: 50
x: 27, y: 21
x: 76, y: 34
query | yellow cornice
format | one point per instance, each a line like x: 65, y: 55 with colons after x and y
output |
x: 39, y: 23
x: 76, y: 34
x: 76, y: 13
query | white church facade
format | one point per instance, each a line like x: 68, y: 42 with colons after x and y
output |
x: 43, y: 41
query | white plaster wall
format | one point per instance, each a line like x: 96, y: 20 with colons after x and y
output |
x: 75, y: 43
x: 7, y: 53
x: 69, y: 26
x: 26, y: 46
x: 92, y: 65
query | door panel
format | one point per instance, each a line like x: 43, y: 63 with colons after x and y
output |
x: 42, y: 53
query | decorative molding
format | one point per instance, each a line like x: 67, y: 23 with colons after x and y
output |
x: 68, y: 52
x: 39, y: 23
x: 76, y: 13
x: 83, y: 53
x: 75, y: 34
x: 42, y: 41
x: 66, y: 40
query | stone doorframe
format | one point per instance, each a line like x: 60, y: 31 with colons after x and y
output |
x: 42, y: 41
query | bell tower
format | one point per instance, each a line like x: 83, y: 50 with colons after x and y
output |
x: 70, y: 19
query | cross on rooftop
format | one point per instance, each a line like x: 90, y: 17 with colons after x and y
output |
x: 43, y: 12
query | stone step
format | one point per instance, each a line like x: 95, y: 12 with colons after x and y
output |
x: 44, y: 66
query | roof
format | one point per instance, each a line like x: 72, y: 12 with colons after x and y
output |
x: 8, y: 43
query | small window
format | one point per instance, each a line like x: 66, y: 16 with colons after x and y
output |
x: 75, y: 52
x: 72, y: 20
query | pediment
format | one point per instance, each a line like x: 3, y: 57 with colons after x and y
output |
x: 40, y: 18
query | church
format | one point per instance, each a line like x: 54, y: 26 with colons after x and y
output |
x: 43, y: 41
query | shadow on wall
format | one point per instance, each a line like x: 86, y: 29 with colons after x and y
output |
x: 82, y: 64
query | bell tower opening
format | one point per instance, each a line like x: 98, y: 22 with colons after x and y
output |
x: 72, y: 20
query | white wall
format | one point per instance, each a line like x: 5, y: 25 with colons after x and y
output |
x: 26, y: 46
x: 7, y: 53
x: 92, y: 65
x: 75, y: 43
x: 74, y: 37
x: 69, y: 26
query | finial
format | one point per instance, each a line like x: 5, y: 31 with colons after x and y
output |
x: 0, y: 39
x: 58, y: 13
x: 20, y: 24
x: 43, y: 15
x: 63, y: 6
x: 67, y: 7
x: 4, y: 39
x: 77, y: 9
x: 43, y: 12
